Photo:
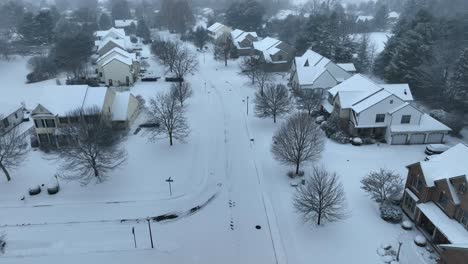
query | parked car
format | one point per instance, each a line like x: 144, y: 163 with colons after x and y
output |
x: 174, y: 79
x: 434, y: 149
x: 150, y: 78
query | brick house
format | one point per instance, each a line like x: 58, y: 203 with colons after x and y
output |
x: 436, y: 199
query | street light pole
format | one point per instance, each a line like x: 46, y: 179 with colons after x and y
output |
x: 399, y: 248
x: 151, y: 233
x: 169, y: 180
x: 247, y: 105
x: 134, y: 239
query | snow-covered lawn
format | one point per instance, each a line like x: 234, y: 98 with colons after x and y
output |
x: 378, y: 39
x: 226, y: 162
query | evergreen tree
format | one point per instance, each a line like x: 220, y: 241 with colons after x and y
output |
x: 176, y: 15
x: 381, y: 18
x: 459, y: 82
x: 143, y: 31
x: 131, y: 29
x: 246, y: 15
x: 362, y: 60
x: 120, y: 10
x: 223, y: 48
x: 200, y: 37
x: 105, y: 22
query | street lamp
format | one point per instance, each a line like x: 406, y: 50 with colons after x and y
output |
x: 170, y: 180
x: 247, y: 105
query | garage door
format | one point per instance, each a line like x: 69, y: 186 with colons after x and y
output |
x: 417, y: 138
x: 435, y: 138
x: 399, y: 139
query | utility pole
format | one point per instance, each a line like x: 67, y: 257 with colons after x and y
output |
x: 151, y: 233
x: 247, y: 105
x: 399, y: 248
x: 169, y: 180
x: 134, y: 239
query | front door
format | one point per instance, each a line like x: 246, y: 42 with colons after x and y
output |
x: 110, y: 82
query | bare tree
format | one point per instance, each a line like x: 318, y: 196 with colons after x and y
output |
x: 224, y: 48
x: 185, y: 62
x: 169, y: 119
x: 250, y: 66
x: 166, y: 51
x: 262, y: 78
x: 89, y: 146
x: 298, y: 140
x: 382, y: 185
x: 13, y: 150
x: 322, y: 198
x: 308, y: 100
x: 3, y: 242
x: 273, y: 102
x: 181, y: 92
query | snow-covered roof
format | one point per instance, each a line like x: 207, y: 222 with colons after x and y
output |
x: 7, y: 107
x: 364, y: 18
x: 451, y: 163
x: 104, y: 33
x: 240, y: 35
x: 125, y: 23
x: 451, y: 229
x: 62, y: 99
x: 284, y: 13
x: 118, y: 57
x: 215, y: 27
x: 117, y: 50
x: 426, y: 124
x: 349, y: 67
x: 119, y: 42
x: 393, y: 15
x: 268, y: 46
x: 207, y: 11
x: 358, y: 92
x: 120, y: 106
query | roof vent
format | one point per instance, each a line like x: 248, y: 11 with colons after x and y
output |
x: 405, y: 92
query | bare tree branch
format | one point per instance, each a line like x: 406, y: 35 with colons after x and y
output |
x: 169, y: 119
x: 273, y: 102
x: 298, y: 140
x: 308, y: 100
x: 382, y: 185
x: 322, y: 198
x: 181, y: 92
x: 13, y: 150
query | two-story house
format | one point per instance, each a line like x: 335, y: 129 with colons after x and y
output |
x: 275, y: 55
x: 382, y: 111
x: 57, y: 102
x: 217, y: 29
x: 11, y: 115
x: 243, y: 41
x: 316, y: 72
x: 118, y: 68
x: 436, y: 199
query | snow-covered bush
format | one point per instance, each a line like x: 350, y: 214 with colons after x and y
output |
x: 391, y: 213
x: 388, y: 259
x: 368, y: 141
x: 35, y: 190
x: 292, y: 174
x: 332, y: 125
x: 340, y: 137
x: 357, y: 141
x: 407, y: 225
x: 383, y: 186
x: 420, y: 241
x: 53, y: 187
x: 452, y: 120
x: 320, y: 119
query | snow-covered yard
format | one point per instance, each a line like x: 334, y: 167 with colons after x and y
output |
x: 378, y: 39
x: 226, y: 166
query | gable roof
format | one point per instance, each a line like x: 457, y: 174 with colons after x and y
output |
x: 118, y: 57
x: 349, y: 67
x: 61, y: 99
x: 125, y: 22
x: 370, y: 100
x: 116, y: 50
x: 268, y: 46
x: 240, y: 35
x: 215, y: 27
x: 451, y: 163
x: 119, y: 42
x: 104, y: 33
x: 120, y: 106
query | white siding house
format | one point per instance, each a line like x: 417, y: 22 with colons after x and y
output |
x: 383, y: 111
x: 218, y: 29
x: 11, y: 115
x: 314, y: 71
x: 116, y: 65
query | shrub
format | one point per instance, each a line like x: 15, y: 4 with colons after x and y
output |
x: 332, y: 125
x: 35, y: 190
x: 420, y: 241
x: 292, y: 174
x: 407, y: 225
x: 36, y: 77
x: 2, y: 243
x: 391, y: 214
x: 340, y: 137
x: 357, y: 141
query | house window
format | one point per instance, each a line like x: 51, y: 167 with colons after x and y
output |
x: 443, y: 200
x: 280, y: 57
x: 6, y: 123
x: 38, y: 123
x: 391, y: 101
x: 464, y: 219
x: 100, y: 74
x: 16, y: 116
x: 43, y: 138
x: 50, y: 122
x: 409, y: 203
x: 418, y: 184
x: 380, y: 118
x: 406, y: 119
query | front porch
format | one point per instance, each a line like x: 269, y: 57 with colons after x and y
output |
x: 366, y: 132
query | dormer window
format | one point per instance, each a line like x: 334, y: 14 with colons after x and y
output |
x: 306, y: 64
x: 391, y: 101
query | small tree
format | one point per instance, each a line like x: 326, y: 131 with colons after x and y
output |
x: 143, y: 31
x: 262, y: 78
x: 105, y: 22
x: 298, y: 140
x: 185, y: 62
x: 200, y: 37
x: 273, y: 102
x: 169, y: 119
x: 308, y: 100
x: 166, y: 52
x: 223, y: 48
x: 90, y: 146
x: 322, y: 198
x: 181, y: 92
x: 250, y: 67
x: 382, y: 185
x: 13, y: 150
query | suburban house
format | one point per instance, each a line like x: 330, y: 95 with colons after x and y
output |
x: 382, y: 111
x: 118, y: 67
x: 314, y: 71
x: 56, y: 102
x: 218, y: 29
x: 243, y: 41
x: 124, y: 23
x: 349, y: 67
x: 275, y: 55
x: 436, y: 199
x: 115, y: 33
x: 110, y: 43
x: 11, y: 115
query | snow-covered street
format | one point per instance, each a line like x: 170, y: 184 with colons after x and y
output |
x: 246, y: 213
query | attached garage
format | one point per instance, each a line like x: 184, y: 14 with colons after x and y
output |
x: 419, y: 138
x: 434, y: 138
x: 399, y: 139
